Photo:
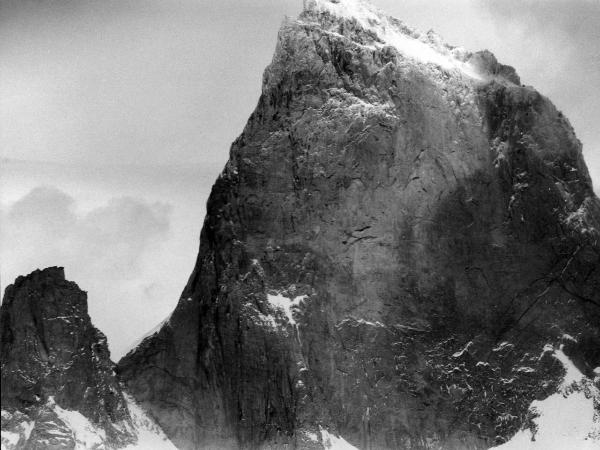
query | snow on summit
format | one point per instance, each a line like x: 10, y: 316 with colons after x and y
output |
x: 388, y: 31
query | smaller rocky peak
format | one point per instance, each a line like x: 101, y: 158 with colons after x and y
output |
x: 45, y: 323
x: 41, y: 297
x: 54, y: 359
x: 59, y: 386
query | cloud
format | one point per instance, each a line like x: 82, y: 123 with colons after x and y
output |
x: 83, y: 80
x: 118, y: 235
x: 109, y: 242
x: 45, y: 209
x: 114, y: 252
x: 561, y: 39
x: 126, y: 235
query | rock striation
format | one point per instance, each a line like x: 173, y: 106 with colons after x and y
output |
x: 59, y: 389
x: 401, y: 252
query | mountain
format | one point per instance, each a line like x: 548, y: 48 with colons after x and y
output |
x: 401, y: 252
x: 59, y: 389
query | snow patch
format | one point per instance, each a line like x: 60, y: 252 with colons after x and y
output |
x: 267, y: 319
x: 312, y: 436
x: 355, y: 322
x: 564, y: 420
x: 578, y: 220
x: 285, y: 304
x: 150, y: 436
x: 332, y: 442
x: 573, y: 374
x: 562, y: 423
x: 463, y: 351
x: 371, y: 324
x: 27, y: 428
x: 18, y: 433
x: 86, y: 434
x: 9, y: 439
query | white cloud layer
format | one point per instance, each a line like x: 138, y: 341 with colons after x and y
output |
x: 126, y: 235
x: 108, y: 242
x: 112, y: 251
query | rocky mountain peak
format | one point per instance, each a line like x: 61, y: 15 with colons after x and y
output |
x: 59, y: 388
x: 401, y: 252
x: 48, y: 335
x: 365, y: 25
x: 402, y: 240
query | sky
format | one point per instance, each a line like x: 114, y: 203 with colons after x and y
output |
x: 117, y: 115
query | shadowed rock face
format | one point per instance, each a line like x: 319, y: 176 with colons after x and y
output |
x: 54, y: 359
x: 388, y: 251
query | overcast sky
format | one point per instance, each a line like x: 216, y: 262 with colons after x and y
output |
x: 113, y: 89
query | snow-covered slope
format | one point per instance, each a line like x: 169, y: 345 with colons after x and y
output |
x: 565, y: 420
x: 71, y: 429
x: 332, y: 442
x: 149, y: 435
x: 19, y: 433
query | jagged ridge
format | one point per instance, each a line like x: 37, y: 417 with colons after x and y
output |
x: 392, y: 240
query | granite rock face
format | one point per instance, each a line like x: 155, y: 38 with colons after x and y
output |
x: 59, y: 388
x: 52, y: 354
x: 400, y: 250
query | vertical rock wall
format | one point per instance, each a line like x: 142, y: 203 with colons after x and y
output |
x: 389, y: 249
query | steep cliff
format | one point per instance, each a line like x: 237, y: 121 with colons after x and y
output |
x: 402, y: 251
x: 59, y: 389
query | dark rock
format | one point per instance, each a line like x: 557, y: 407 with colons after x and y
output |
x: 52, y: 356
x: 485, y: 61
x: 433, y: 228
